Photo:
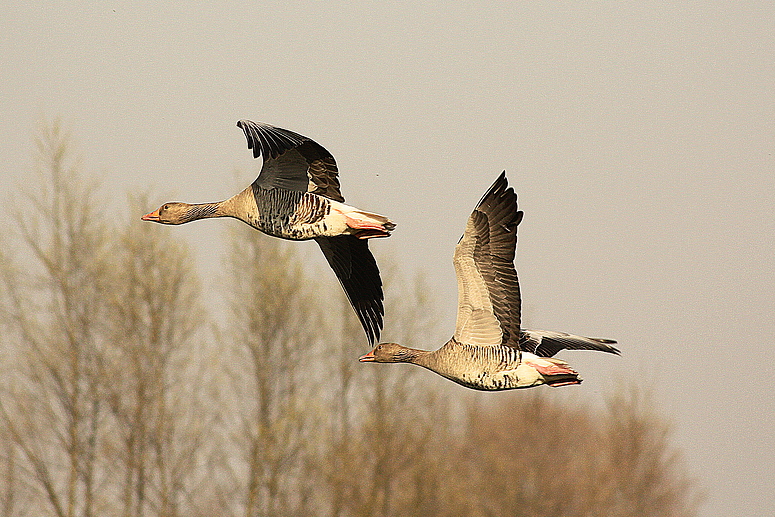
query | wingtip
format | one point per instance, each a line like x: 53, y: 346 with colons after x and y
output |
x: 501, y: 184
x: 608, y: 344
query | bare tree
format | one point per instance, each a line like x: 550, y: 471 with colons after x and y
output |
x: 378, y: 443
x: 272, y: 324
x: 644, y: 474
x: 334, y: 464
x: 154, y: 312
x: 52, y: 412
x: 530, y: 456
x: 9, y: 474
x: 94, y: 405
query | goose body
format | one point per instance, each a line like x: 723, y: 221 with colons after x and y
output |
x: 296, y: 196
x: 489, y: 350
x: 286, y: 214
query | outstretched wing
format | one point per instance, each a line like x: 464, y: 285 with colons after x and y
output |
x: 546, y: 343
x: 488, y: 288
x: 358, y: 273
x: 292, y: 161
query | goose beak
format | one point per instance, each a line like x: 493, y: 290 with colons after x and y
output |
x: 367, y: 357
x: 153, y: 216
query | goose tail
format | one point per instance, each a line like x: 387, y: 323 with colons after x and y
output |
x: 367, y: 225
x: 554, y: 372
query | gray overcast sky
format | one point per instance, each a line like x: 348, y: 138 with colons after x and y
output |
x: 638, y: 136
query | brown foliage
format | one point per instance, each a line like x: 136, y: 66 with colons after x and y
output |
x: 529, y: 456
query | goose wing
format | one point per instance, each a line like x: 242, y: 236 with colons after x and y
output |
x: 358, y: 273
x: 488, y: 288
x: 291, y: 161
x: 546, y: 343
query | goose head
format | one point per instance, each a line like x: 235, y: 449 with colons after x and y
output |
x: 389, y: 353
x: 170, y: 213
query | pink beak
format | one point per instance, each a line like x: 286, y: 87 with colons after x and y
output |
x: 367, y: 357
x: 153, y: 216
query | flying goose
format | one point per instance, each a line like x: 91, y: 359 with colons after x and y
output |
x: 489, y: 350
x: 296, y: 196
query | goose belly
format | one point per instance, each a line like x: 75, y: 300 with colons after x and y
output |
x: 493, y: 381
x: 490, y: 369
x: 295, y: 231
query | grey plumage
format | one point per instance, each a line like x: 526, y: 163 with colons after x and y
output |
x: 297, y: 196
x: 489, y: 350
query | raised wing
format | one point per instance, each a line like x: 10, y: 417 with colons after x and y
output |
x: 488, y: 288
x: 358, y: 273
x: 291, y: 161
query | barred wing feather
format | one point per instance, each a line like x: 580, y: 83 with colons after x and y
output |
x: 488, y: 287
x: 292, y: 161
